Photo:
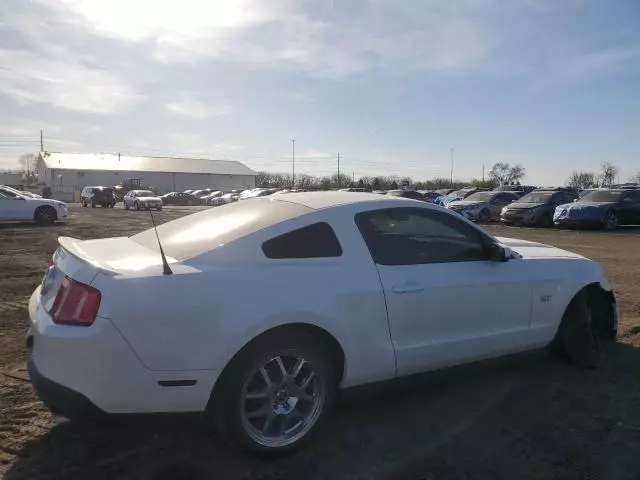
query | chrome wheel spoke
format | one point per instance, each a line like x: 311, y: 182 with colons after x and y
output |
x: 266, y: 377
x: 260, y: 412
x: 282, y: 369
x: 281, y: 400
x: 297, y: 367
x: 269, y: 422
x: 307, y: 381
x: 256, y: 395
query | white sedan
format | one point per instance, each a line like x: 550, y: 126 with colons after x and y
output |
x: 142, y: 199
x: 17, y: 206
x: 264, y: 309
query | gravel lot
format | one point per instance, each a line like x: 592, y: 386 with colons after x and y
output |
x: 526, y: 417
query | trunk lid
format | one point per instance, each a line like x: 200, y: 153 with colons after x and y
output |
x: 118, y: 255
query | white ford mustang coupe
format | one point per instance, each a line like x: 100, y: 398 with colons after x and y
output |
x: 257, y: 312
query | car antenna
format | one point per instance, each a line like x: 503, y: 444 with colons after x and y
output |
x: 166, y: 269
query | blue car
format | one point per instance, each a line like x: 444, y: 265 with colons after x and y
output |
x: 601, y: 208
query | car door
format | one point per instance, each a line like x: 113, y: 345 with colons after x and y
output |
x: 15, y: 207
x: 499, y: 202
x: 629, y: 208
x: 447, y: 303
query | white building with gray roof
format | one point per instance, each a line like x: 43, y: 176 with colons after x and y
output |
x: 67, y: 173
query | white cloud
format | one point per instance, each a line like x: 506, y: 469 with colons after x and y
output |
x: 32, y: 78
x: 310, y: 36
x: 191, y: 108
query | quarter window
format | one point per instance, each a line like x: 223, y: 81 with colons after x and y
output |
x: 314, y: 241
x: 405, y: 236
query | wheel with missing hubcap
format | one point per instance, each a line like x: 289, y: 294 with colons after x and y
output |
x: 274, y: 393
x: 610, y: 221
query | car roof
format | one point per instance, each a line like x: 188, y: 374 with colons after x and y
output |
x: 320, y: 200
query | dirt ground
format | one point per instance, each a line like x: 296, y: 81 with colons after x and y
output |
x: 528, y: 417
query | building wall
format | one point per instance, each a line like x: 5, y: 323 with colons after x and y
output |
x: 64, y: 182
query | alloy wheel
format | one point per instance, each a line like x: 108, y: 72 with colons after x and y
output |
x: 611, y: 222
x: 281, y: 400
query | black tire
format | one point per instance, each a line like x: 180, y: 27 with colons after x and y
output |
x: 93, y: 204
x: 484, y: 216
x: 225, y: 406
x: 126, y: 206
x: 578, y: 340
x: 136, y: 205
x: 84, y: 204
x: 610, y: 221
x: 158, y: 208
x: 45, y: 215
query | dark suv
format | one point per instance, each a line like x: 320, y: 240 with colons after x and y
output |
x: 536, y: 208
x: 102, y: 196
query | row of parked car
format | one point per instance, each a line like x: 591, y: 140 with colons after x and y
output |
x: 509, y: 204
x: 604, y: 208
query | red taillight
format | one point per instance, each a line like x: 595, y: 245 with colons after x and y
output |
x: 75, y: 304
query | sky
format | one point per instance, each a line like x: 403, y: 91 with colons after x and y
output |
x: 391, y: 85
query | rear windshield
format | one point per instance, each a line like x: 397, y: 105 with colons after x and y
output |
x: 195, y: 234
x: 536, y: 197
x: 481, y: 197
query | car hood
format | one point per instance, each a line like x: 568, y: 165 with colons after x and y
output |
x: 466, y: 203
x: 530, y: 250
x: 46, y: 201
x: 583, y: 205
x: 524, y: 206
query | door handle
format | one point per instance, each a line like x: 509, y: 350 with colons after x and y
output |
x: 407, y: 288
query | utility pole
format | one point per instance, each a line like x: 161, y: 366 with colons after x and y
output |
x: 451, y: 167
x: 293, y: 163
x: 41, y: 142
x: 353, y: 178
x: 338, y: 169
x: 483, y: 174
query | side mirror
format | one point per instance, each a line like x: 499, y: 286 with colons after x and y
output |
x: 498, y: 253
x: 575, y: 200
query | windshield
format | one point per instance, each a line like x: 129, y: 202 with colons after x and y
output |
x: 459, y: 193
x: 602, y: 196
x: 480, y: 197
x: 536, y: 197
x: 145, y: 193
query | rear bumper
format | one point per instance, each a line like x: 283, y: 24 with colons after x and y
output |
x: 59, y: 399
x: 85, y: 371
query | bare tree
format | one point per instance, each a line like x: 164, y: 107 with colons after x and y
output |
x: 608, y: 174
x: 580, y: 180
x: 500, y: 173
x: 263, y: 179
x: 516, y: 173
x: 28, y: 162
x: 305, y: 181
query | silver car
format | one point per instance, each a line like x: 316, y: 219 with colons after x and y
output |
x: 142, y: 199
x: 481, y: 207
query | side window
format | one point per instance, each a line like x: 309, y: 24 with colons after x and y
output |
x: 557, y: 198
x: 405, y: 236
x: 634, y: 195
x: 314, y: 241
